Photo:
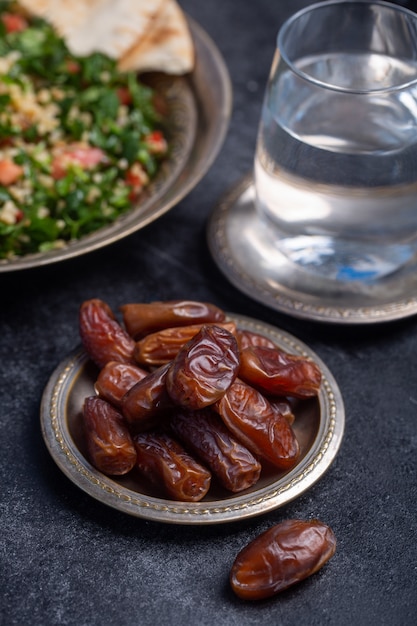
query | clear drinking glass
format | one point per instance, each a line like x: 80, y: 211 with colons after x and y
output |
x: 336, y: 159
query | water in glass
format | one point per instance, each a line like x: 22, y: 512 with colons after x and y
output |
x: 336, y: 168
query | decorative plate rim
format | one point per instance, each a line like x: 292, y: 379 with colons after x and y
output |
x: 281, y: 298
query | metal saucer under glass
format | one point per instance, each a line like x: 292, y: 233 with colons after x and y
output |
x: 244, y: 250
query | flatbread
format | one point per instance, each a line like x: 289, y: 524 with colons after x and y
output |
x: 166, y: 46
x: 143, y: 35
x: 62, y: 14
x: 108, y: 26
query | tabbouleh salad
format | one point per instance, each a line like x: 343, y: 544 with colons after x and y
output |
x: 79, y: 140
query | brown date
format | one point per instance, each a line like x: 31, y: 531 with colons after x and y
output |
x: 145, y: 402
x: 276, y: 372
x: 101, y: 334
x: 280, y: 557
x: 163, y: 346
x: 204, y: 434
x: 204, y: 368
x: 110, y: 446
x: 165, y: 463
x: 115, y: 379
x: 258, y: 425
x: 247, y: 338
x: 282, y: 406
x: 143, y: 318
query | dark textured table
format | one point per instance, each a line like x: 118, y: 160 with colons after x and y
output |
x: 68, y: 559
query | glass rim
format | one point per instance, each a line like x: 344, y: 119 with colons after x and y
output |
x: 327, y: 3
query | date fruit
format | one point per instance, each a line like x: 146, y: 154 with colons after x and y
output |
x: 115, y: 379
x: 163, y: 346
x: 280, y: 557
x: 109, y: 443
x: 283, y: 406
x: 278, y: 373
x: 204, y: 368
x: 102, y: 336
x: 145, y: 402
x: 258, y: 425
x: 204, y: 434
x: 247, y: 338
x: 143, y: 318
x: 165, y: 463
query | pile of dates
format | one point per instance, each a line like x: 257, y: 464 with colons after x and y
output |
x: 184, y: 397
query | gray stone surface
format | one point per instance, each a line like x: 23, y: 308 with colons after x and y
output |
x: 67, y: 560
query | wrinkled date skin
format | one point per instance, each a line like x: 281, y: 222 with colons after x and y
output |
x: 258, y: 425
x: 204, y: 368
x: 102, y: 336
x: 115, y: 379
x: 276, y: 372
x: 109, y: 443
x: 143, y: 318
x: 165, y: 463
x: 282, y: 406
x: 204, y: 434
x: 147, y: 401
x: 280, y: 557
x: 247, y: 338
x: 163, y: 346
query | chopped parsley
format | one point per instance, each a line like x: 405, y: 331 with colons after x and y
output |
x: 79, y: 140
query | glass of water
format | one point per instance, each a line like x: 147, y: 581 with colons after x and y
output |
x: 336, y: 160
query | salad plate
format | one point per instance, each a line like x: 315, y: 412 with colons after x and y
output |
x: 200, y: 108
x: 319, y: 426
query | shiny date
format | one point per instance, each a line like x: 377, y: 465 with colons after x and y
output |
x: 163, y: 346
x: 204, y: 434
x: 165, y: 463
x: 247, y: 338
x: 145, y: 402
x: 277, y: 372
x: 204, y: 368
x: 280, y: 557
x: 143, y: 318
x: 259, y: 425
x: 109, y: 443
x: 115, y: 379
x: 102, y: 336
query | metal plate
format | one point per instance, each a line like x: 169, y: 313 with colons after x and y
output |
x: 199, y: 117
x: 244, y: 251
x: 319, y: 428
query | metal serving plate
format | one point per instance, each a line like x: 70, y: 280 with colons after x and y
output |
x: 245, y: 251
x: 200, y: 109
x: 319, y: 427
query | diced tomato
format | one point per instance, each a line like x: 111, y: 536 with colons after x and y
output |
x: 136, y: 178
x: 19, y: 215
x: 156, y: 142
x: 72, y: 66
x: 124, y: 95
x: 9, y: 172
x: 14, y: 23
x: 85, y: 156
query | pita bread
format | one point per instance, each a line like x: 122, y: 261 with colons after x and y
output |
x: 167, y: 45
x: 144, y: 35
x: 108, y: 26
x: 64, y: 15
